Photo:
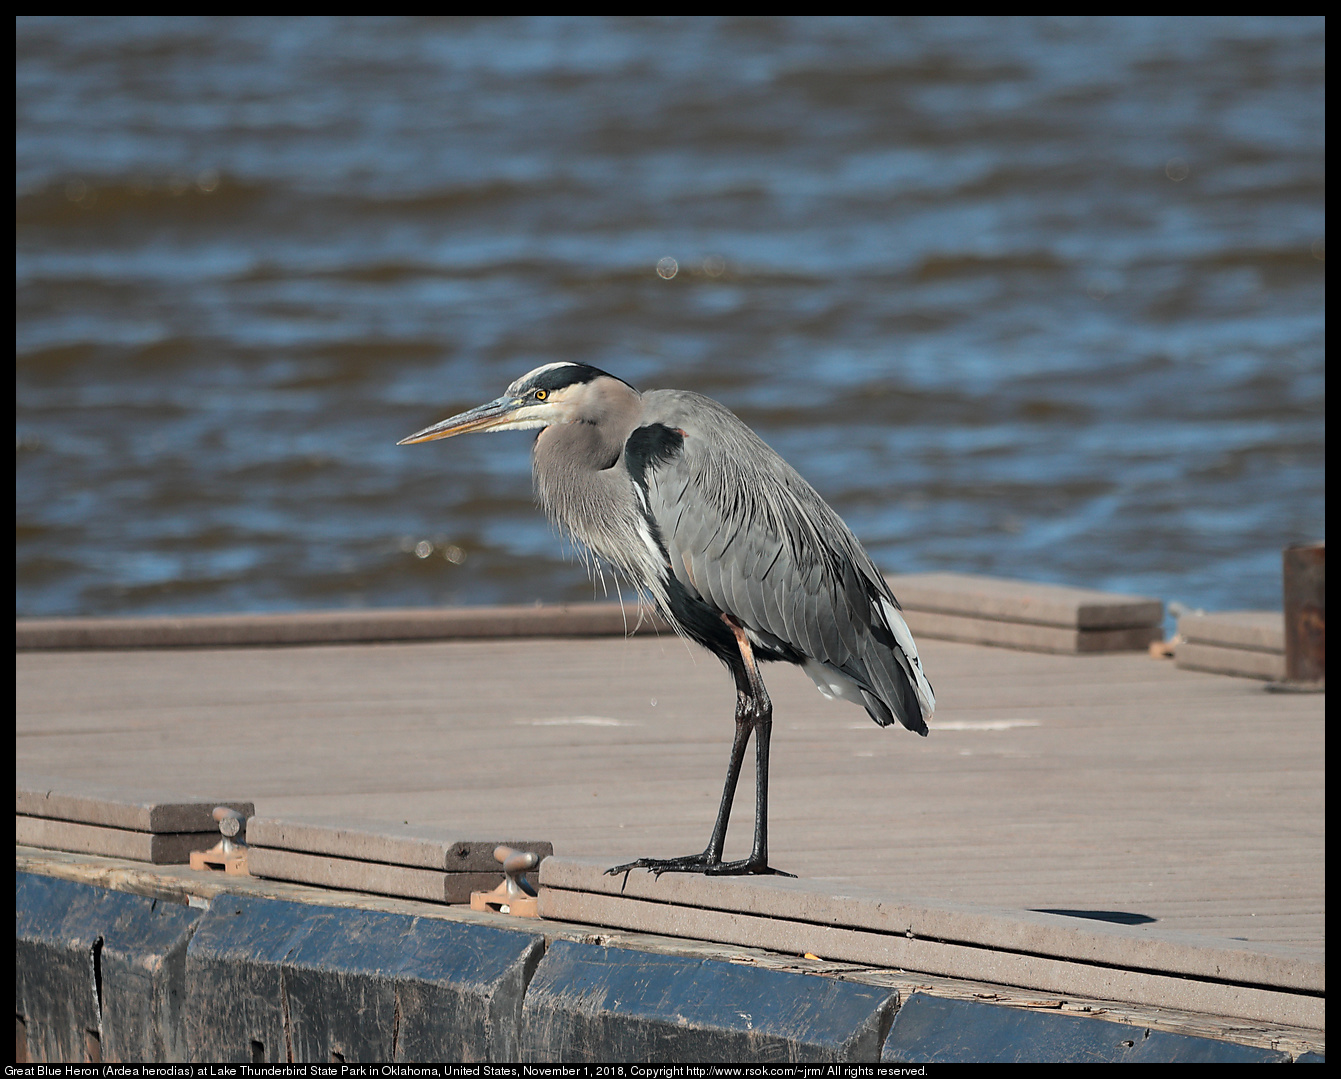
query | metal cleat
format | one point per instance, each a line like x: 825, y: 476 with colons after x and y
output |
x: 515, y: 895
x: 229, y: 855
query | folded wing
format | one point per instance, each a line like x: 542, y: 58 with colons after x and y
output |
x: 746, y: 534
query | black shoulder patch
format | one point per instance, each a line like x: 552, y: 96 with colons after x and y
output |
x: 648, y: 446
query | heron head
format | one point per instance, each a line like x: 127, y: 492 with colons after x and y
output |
x: 553, y: 394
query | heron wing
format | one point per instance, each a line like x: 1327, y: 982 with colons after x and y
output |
x: 747, y: 535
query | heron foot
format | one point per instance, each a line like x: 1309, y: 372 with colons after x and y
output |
x: 699, y: 863
x: 690, y: 863
x: 745, y: 866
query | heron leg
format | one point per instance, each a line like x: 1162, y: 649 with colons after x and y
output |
x: 712, y: 854
x: 754, y: 715
x: 717, y: 842
x: 754, y: 711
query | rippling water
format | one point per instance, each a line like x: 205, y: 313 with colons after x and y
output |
x: 1035, y: 298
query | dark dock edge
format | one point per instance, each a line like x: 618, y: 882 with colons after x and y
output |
x: 124, y: 961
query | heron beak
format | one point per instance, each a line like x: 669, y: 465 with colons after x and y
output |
x: 496, y: 413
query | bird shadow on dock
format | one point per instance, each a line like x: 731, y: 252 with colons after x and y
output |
x: 1117, y: 917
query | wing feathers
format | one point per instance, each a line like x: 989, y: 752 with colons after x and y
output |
x: 759, y: 544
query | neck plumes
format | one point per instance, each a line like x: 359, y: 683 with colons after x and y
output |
x: 585, y: 489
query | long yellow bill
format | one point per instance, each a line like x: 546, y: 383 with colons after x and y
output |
x: 494, y: 414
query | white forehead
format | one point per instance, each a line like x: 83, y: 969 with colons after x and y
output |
x: 538, y: 372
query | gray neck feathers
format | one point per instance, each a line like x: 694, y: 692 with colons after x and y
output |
x: 585, y: 489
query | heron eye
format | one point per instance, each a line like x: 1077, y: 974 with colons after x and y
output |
x: 540, y: 395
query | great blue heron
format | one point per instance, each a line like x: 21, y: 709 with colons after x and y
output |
x: 737, y: 551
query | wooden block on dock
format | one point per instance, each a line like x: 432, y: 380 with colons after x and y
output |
x: 1033, y: 949
x: 91, y: 819
x: 379, y: 878
x: 410, y: 861
x: 117, y: 807
x: 162, y: 848
x: 1250, y: 644
x: 1026, y: 615
x: 337, y: 627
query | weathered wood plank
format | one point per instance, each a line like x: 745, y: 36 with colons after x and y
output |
x: 340, y: 626
x: 1029, y: 636
x: 938, y: 957
x: 867, y: 910
x: 429, y: 885
x: 1242, y: 662
x: 159, y: 848
x: 1262, y: 631
x: 132, y: 808
x: 386, y: 842
x: 972, y: 596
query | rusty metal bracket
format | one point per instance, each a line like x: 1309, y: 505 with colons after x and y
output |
x: 229, y: 855
x: 1304, y: 569
x: 515, y: 895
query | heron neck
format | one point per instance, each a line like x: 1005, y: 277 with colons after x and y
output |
x: 594, y: 439
x: 580, y: 478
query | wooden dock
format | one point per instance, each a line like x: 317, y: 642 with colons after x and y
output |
x: 1098, y: 783
x: 1103, y: 833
